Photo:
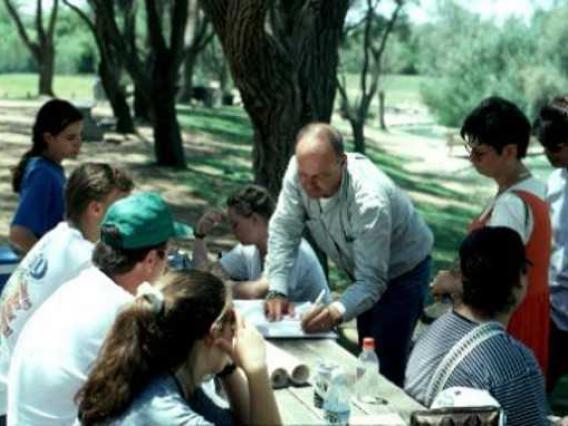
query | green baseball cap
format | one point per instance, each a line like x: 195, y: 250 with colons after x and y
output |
x: 141, y: 220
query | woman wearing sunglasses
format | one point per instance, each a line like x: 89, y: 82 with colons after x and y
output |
x: 162, y: 349
x: 551, y: 129
x: 497, y: 135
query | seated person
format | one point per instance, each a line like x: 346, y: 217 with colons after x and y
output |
x: 161, y: 349
x: 493, y: 271
x: 60, y: 255
x: 249, y: 212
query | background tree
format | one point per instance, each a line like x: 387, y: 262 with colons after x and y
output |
x: 375, y: 32
x: 198, y: 35
x: 109, y: 69
x: 283, y: 58
x: 155, y: 75
x: 42, y: 49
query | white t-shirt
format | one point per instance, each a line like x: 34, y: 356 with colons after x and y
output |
x: 57, y: 257
x: 306, y: 280
x: 510, y: 211
x: 58, y: 346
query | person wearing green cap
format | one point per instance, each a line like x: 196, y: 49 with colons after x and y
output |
x: 61, y: 341
x: 59, y: 256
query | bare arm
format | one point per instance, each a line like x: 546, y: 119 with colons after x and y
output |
x: 249, y: 354
x: 237, y: 388
x: 22, y: 238
x: 204, y: 226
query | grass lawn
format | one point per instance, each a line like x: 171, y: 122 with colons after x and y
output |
x: 24, y: 86
x: 220, y: 161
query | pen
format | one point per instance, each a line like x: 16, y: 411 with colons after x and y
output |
x: 319, y: 298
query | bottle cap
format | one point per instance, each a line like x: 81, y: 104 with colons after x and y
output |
x: 368, y: 343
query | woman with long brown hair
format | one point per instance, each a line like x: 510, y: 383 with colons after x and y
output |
x: 164, y: 346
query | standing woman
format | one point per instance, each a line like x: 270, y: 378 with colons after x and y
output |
x: 497, y: 135
x: 39, y: 178
x: 164, y: 346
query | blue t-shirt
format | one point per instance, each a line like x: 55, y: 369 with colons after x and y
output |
x: 162, y: 403
x: 42, y: 203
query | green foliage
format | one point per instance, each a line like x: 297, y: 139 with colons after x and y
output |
x: 474, y: 58
x: 74, y: 45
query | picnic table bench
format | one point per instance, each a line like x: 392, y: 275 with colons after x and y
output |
x: 296, y: 403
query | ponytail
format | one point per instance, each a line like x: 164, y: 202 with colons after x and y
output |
x: 53, y: 117
x: 146, y: 342
x: 18, y: 171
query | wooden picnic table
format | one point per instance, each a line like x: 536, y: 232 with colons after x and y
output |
x: 296, y: 403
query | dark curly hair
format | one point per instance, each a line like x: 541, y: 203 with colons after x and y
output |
x: 551, y: 125
x: 498, y: 122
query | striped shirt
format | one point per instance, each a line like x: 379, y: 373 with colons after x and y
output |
x: 501, y: 365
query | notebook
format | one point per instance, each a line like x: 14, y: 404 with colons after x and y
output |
x: 289, y: 327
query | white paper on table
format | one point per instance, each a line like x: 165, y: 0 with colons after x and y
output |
x: 285, y: 368
x: 288, y: 327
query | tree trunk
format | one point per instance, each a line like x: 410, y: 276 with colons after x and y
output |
x: 283, y: 57
x: 358, y: 128
x: 46, y: 64
x: 188, y: 68
x: 141, y: 106
x: 382, y: 122
x: 168, y: 144
x: 117, y: 98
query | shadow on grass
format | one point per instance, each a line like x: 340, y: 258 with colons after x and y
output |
x: 230, y: 168
x: 228, y: 124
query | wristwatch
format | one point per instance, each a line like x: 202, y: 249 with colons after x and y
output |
x: 227, y: 371
x: 273, y: 294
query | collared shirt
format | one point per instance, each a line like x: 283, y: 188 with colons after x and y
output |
x: 369, y: 228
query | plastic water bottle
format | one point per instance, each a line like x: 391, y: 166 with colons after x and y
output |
x: 367, y: 378
x: 321, y: 382
x: 336, y: 409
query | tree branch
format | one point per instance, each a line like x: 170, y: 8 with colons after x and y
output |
x: 34, y: 48
x: 154, y: 22
x: 179, y: 17
x: 53, y: 19
x: 82, y: 15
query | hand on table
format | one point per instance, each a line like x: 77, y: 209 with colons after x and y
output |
x: 320, y: 319
x: 276, y: 307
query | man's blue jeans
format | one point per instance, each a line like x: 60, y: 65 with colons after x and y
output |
x: 392, y: 319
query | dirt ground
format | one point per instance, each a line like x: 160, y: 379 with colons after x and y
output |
x: 135, y: 154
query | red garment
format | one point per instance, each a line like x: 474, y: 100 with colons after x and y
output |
x: 530, y: 321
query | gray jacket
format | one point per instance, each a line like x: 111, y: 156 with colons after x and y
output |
x: 369, y: 228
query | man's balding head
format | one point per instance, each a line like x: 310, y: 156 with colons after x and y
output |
x: 320, y: 156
